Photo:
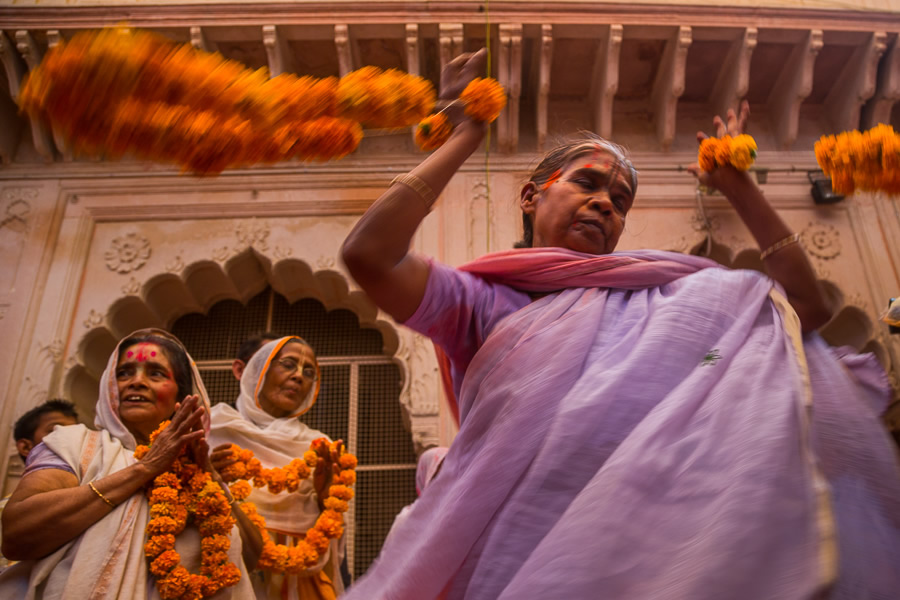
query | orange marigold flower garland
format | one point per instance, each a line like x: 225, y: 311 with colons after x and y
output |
x: 433, y: 131
x: 484, y: 99
x: 117, y: 91
x: 330, y: 524
x: 739, y: 152
x: 868, y: 161
x: 183, y: 491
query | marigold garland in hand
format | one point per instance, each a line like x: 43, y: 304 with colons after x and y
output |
x: 739, y: 152
x: 175, y: 495
x: 433, y: 131
x: 868, y: 161
x: 329, y: 525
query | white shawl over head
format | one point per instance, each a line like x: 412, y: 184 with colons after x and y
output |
x: 107, y: 561
x: 274, y: 441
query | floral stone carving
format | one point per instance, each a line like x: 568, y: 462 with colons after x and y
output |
x: 127, y: 253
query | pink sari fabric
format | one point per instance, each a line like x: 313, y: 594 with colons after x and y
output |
x: 650, y: 439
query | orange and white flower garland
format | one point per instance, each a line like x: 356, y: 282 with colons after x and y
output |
x: 182, y: 492
x: 868, y: 161
x: 118, y: 91
x: 329, y: 525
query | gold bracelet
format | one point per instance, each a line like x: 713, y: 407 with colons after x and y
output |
x: 102, y: 497
x: 791, y: 239
x: 420, y: 187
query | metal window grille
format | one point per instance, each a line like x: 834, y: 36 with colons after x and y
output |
x: 358, y: 401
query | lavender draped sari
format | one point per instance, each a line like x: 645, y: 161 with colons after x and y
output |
x: 651, y: 428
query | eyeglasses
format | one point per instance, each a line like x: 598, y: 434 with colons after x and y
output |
x: 291, y: 366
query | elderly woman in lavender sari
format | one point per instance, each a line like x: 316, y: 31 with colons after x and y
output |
x: 632, y: 424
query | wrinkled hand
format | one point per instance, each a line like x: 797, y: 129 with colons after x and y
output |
x: 724, y: 178
x: 185, y: 428
x: 326, y: 467
x: 222, y: 456
x: 457, y: 74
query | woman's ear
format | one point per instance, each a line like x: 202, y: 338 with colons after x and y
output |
x: 528, y: 197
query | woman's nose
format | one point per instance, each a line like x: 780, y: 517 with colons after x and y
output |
x: 601, y: 204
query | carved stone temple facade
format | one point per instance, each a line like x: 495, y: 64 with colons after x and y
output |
x: 91, y: 250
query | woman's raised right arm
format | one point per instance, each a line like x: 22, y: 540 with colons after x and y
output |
x: 377, y: 250
x: 49, y: 508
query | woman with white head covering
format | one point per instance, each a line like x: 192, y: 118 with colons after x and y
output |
x: 77, y: 520
x: 280, y: 383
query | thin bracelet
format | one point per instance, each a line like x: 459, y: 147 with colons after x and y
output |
x: 102, y: 497
x: 791, y: 239
x: 417, y: 185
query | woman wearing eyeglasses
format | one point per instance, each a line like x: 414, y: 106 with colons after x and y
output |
x: 280, y: 383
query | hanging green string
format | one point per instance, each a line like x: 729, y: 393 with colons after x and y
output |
x: 487, y: 145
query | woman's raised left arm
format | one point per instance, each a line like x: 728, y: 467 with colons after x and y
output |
x: 783, y: 257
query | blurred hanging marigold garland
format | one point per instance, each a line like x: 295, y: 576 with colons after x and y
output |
x: 868, y: 161
x: 118, y: 91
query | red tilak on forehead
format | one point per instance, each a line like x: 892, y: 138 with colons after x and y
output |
x: 143, y: 352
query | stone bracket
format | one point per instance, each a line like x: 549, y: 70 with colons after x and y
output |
x: 792, y: 87
x: 545, y: 62
x: 878, y: 110
x: 669, y: 84
x: 605, y: 80
x: 734, y: 78
x: 509, y: 74
x: 281, y: 60
x: 856, y: 84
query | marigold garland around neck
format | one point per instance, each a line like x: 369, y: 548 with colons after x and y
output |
x: 281, y: 558
x: 739, y: 152
x: 117, y: 91
x: 868, y: 161
x: 185, y: 491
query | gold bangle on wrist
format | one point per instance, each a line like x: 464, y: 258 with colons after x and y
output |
x: 417, y: 185
x: 791, y: 239
x: 102, y: 497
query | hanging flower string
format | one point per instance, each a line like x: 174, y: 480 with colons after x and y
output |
x: 184, y: 491
x: 483, y: 100
x: 281, y: 558
x: 739, y: 152
x: 868, y: 161
x: 117, y: 91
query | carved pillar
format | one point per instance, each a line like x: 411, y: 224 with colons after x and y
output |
x: 509, y: 74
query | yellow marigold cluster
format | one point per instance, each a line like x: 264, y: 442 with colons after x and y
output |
x: 484, y: 99
x: 183, y: 491
x: 868, y: 161
x: 739, y: 152
x: 433, y: 131
x: 281, y: 558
